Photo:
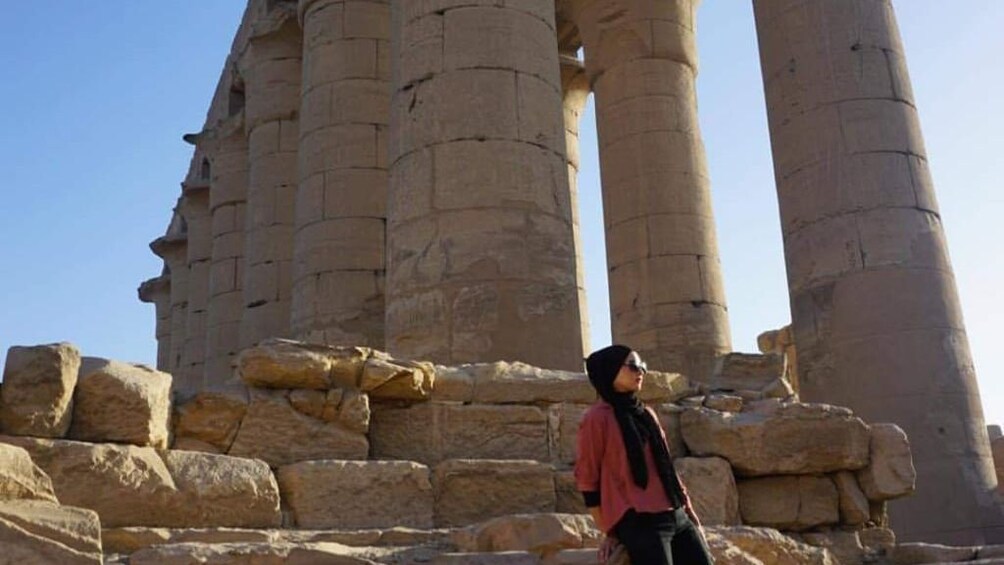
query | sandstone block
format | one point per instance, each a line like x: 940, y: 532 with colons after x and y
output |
x: 789, y: 502
x: 274, y: 431
x: 259, y: 553
x: 211, y: 418
x: 20, y: 478
x: 469, y: 491
x: 724, y: 402
x: 771, y: 546
x: 745, y: 371
x: 916, y: 553
x: 786, y: 439
x: 282, y: 363
x: 433, y: 431
x: 125, y: 484
x: 541, y: 534
x: 569, y: 499
x: 712, y: 489
x: 845, y: 546
x: 878, y: 540
x: 723, y: 551
x: 75, y: 528
x: 503, y: 558
x: 453, y: 384
x: 24, y: 543
x: 397, y: 380
x: 130, y: 540
x: 37, y: 394
x: 563, y: 421
x: 854, y: 509
x: 890, y: 473
x: 669, y: 418
x: 121, y: 403
x: 358, y: 494
x: 348, y: 408
x: 506, y: 383
x: 220, y: 491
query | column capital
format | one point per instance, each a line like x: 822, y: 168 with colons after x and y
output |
x: 153, y: 289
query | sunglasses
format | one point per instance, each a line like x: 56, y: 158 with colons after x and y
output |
x: 639, y: 367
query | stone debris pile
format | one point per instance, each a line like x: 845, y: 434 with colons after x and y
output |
x: 347, y: 455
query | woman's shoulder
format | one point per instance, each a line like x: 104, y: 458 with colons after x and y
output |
x: 599, y: 411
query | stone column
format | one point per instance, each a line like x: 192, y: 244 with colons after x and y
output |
x: 339, y: 266
x: 875, y: 310
x: 666, y: 293
x: 173, y: 249
x: 157, y: 291
x: 574, y: 95
x: 227, y: 194
x: 481, y: 261
x: 271, y: 70
x: 195, y: 209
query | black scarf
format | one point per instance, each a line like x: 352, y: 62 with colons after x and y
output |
x: 636, y: 423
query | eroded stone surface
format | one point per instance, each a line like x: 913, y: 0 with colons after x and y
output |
x: 279, y: 363
x: 789, y: 502
x: 358, y: 494
x: 712, y: 489
x: 37, y: 393
x: 890, y: 473
x: 122, y: 403
x: 75, y: 528
x: 469, y: 491
x: 210, y: 418
x: 542, y: 534
x: 788, y: 438
x: 20, y: 478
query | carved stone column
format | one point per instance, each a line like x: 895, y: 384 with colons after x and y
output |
x: 666, y: 292
x: 875, y: 310
x: 271, y: 70
x: 194, y: 207
x: 157, y: 291
x: 481, y: 248
x: 172, y: 248
x: 339, y: 266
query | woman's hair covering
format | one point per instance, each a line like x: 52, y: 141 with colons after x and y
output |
x: 637, y: 424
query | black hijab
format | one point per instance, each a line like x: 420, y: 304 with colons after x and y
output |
x: 637, y: 424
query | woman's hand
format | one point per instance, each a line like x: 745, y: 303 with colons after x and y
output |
x: 606, y: 548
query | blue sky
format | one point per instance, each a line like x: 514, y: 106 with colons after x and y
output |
x: 96, y: 97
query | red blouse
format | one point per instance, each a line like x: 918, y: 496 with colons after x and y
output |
x: 602, y: 465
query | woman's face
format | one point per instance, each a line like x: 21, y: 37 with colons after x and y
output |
x: 631, y: 375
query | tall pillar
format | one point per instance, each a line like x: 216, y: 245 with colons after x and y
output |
x: 666, y: 292
x: 271, y: 70
x: 574, y: 96
x: 173, y: 249
x: 157, y: 291
x: 481, y: 262
x: 227, y: 195
x: 339, y: 266
x: 195, y: 209
x: 874, y: 306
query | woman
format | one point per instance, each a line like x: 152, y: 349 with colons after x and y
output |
x: 625, y: 471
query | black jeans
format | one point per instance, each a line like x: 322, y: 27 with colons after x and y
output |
x: 665, y: 538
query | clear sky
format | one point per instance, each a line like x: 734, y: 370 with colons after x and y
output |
x: 95, y: 97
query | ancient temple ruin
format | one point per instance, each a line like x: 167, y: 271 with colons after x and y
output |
x: 400, y: 174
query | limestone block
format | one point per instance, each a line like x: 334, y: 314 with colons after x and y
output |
x: 126, y: 485
x: 121, y: 402
x: 854, y: 508
x: 915, y: 553
x: 332, y: 494
x: 222, y: 491
x: 469, y: 491
x: 75, y: 528
x: 37, y: 394
x: 210, y: 418
x: 503, y: 383
x: 20, y: 478
x: 24, y: 545
x: 722, y: 550
x: 569, y: 498
x: 845, y: 546
x: 744, y: 371
x: 794, y: 502
x: 724, y: 402
x: 280, y: 363
x: 433, y: 431
x: 563, y: 422
x: 272, y: 427
x: 890, y: 473
x: 771, y: 546
x: 712, y: 489
x: 878, y: 540
x: 789, y: 438
x: 130, y: 540
x: 253, y: 553
x: 541, y: 534
x: 396, y: 380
